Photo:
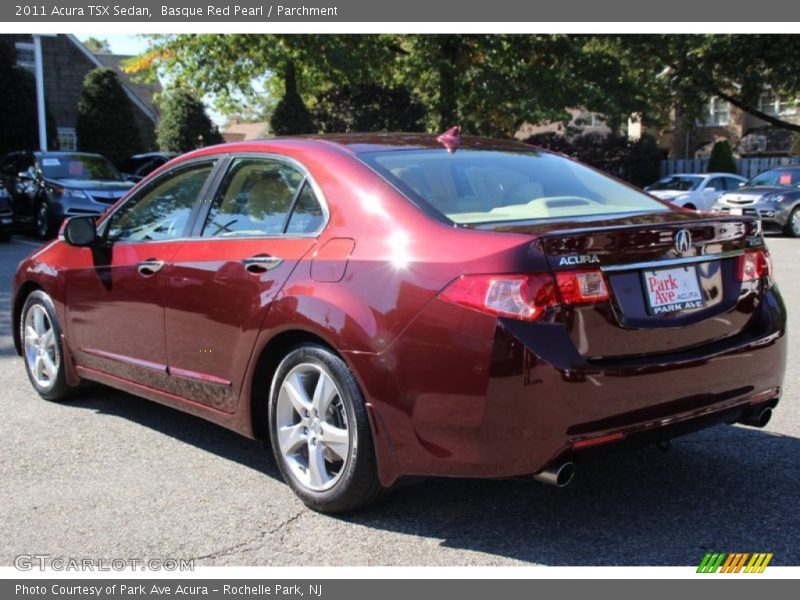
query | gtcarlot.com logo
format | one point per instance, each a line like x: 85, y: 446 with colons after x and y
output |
x: 734, y: 562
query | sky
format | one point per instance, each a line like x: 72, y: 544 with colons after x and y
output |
x: 135, y: 44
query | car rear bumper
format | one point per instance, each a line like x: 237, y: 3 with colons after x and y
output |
x: 494, y: 398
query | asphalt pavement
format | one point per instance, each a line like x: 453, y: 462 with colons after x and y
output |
x: 114, y: 476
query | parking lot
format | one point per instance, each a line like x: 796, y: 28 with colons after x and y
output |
x: 114, y: 476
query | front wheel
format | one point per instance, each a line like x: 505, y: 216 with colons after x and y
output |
x: 41, y: 343
x: 320, y: 432
x: 792, y: 227
x: 43, y: 226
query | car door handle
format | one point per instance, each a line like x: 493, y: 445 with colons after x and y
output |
x: 260, y: 264
x: 149, y: 267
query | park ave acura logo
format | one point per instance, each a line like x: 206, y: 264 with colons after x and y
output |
x: 578, y: 259
x: 683, y: 241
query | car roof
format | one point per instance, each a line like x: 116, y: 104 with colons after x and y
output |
x: 715, y: 174
x: 360, y: 143
x: 56, y: 154
x: 155, y: 154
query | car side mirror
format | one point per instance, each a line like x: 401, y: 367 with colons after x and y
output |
x: 741, y: 184
x: 80, y: 231
x: 710, y: 189
x: 25, y: 175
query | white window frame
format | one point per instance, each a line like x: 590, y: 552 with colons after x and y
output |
x: 27, y: 47
x: 714, y: 116
x: 67, y: 133
x: 777, y: 106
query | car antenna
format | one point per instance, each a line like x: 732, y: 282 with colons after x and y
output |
x: 450, y: 139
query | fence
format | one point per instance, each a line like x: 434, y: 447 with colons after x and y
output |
x: 748, y: 167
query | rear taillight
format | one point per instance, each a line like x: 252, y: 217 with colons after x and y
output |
x: 754, y: 265
x: 580, y: 287
x: 526, y: 296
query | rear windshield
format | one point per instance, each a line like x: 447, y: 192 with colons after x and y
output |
x: 777, y: 177
x: 677, y: 183
x: 485, y: 186
x: 79, y: 166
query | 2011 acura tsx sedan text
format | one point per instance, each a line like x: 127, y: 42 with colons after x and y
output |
x: 382, y: 306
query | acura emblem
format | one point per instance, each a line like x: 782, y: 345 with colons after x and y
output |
x: 683, y: 241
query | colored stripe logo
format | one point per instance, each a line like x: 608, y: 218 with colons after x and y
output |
x: 735, y: 562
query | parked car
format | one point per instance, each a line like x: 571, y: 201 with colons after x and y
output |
x: 6, y: 215
x: 773, y: 196
x: 382, y: 306
x: 697, y: 191
x: 139, y: 166
x: 45, y: 187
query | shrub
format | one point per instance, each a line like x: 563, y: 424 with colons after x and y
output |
x: 721, y: 160
x: 184, y: 124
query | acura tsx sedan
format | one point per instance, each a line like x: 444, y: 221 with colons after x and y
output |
x: 384, y: 306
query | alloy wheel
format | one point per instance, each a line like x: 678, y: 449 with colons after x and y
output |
x: 795, y: 222
x: 41, y: 352
x: 312, y: 430
x: 41, y: 221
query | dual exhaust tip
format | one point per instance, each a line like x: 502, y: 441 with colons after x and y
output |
x: 561, y: 475
x: 757, y: 418
x: 557, y: 475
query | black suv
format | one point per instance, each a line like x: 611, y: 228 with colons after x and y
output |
x: 46, y: 187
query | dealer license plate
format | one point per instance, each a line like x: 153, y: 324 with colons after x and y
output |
x: 671, y: 290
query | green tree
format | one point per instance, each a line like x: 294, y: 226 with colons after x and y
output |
x: 19, y: 121
x: 97, y: 46
x: 368, y: 108
x: 105, y: 122
x: 184, y: 123
x: 685, y: 71
x: 291, y: 115
x: 721, y: 160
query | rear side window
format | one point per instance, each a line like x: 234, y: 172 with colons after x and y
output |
x: 307, y: 215
x: 254, y: 199
x: 485, y: 186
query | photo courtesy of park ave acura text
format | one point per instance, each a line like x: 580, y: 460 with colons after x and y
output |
x: 405, y: 299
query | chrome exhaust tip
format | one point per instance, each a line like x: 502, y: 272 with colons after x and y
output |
x: 557, y: 475
x: 757, y: 418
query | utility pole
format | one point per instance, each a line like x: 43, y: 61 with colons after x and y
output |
x: 39, y: 63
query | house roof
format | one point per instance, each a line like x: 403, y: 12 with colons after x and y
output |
x: 144, y: 91
x: 244, y: 132
x: 144, y: 103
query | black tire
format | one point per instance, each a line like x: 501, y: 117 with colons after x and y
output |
x: 57, y: 389
x: 44, y: 227
x: 5, y: 236
x: 358, y: 484
x: 690, y: 206
x: 792, y: 229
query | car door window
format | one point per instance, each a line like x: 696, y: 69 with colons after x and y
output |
x: 162, y: 210
x: 254, y: 199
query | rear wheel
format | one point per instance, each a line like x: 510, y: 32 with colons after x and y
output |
x: 41, y: 344
x: 792, y: 227
x: 320, y: 432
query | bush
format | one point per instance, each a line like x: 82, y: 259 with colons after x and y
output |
x: 721, y: 160
x: 635, y: 162
x: 184, y: 124
x: 19, y: 120
x: 105, y: 122
x: 368, y: 108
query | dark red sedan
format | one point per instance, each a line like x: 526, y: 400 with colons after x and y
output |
x: 391, y: 305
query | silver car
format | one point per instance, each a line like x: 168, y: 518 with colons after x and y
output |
x: 773, y: 195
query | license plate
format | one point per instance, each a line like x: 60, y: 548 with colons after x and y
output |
x: 671, y: 290
x: 736, y: 211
